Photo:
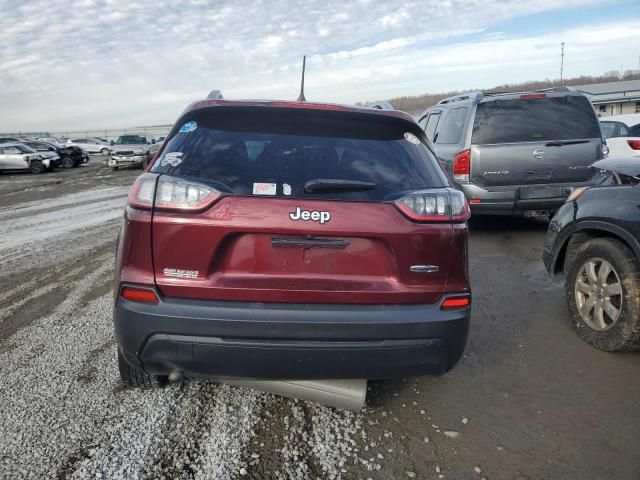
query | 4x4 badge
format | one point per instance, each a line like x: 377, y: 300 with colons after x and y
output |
x: 313, y: 215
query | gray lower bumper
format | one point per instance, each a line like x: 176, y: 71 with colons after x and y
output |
x: 516, y: 200
x: 289, y: 341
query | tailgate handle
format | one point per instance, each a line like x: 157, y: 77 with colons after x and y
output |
x: 309, y: 242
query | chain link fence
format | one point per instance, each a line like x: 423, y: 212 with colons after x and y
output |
x: 155, y: 131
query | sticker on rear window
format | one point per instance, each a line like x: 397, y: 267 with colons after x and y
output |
x: 411, y: 138
x: 188, y: 127
x: 171, y: 158
x: 264, y: 188
x: 286, y: 189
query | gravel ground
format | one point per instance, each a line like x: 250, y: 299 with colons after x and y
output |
x: 528, y: 401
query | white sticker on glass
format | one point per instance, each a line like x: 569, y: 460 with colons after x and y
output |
x: 171, y: 158
x: 411, y: 138
x: 264, y: 188
x: 286, y: 189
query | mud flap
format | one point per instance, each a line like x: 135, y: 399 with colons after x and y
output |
x: 345, y: 394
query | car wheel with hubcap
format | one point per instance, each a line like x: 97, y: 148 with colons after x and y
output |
x: 104, y: 151
x: 603, y: 292
x: 67, y: 162
x: 36, y: 166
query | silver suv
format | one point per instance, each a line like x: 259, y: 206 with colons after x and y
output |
x: 516, y: 153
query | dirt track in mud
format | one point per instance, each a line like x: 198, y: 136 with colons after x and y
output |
x: 528, y: 401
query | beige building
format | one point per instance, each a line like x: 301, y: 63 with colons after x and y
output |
x: 613, y: 98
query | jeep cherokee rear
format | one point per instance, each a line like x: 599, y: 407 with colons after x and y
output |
x: 291, y: 241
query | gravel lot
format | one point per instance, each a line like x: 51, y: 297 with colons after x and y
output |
x: 528, y: 401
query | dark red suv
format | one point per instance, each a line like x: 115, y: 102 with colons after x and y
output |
x: 291, y: 240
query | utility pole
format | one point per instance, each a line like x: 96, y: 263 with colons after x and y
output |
x: 561, y: 63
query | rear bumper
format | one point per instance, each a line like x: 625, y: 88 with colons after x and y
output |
x: 290, y: 341
x: 511, y: 201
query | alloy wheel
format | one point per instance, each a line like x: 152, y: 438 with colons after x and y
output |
x: 598, y: 294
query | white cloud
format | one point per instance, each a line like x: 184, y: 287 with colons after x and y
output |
x: 116, y: 63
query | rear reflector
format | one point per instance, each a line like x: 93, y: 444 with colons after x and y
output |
x: 139, y: 295
x: 634, y: 144
x: 462, y: 166
x: 456, y: 302
x: 435, y: 205
x: 474, y: 200
x: 532, y: 95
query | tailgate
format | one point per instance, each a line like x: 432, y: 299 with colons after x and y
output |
x: 534, y: 163
x: 250, y: 249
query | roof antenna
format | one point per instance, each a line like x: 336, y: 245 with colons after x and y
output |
x: 301, y: 96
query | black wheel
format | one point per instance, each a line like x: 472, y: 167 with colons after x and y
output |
x: 36, y: 166
x: 104, y: 151
x: 67, y: 162
x: 115, y: 169
x: 135, y: 377
x: 603, y: 293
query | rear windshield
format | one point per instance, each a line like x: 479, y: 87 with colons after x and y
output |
x: 530, y: 120
x: 276, y: 151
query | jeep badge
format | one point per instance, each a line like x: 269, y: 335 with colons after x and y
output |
x: 313, y: 215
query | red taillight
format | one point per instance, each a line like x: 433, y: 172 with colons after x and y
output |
x: 634, y: 144
x: 474, y: 200
x: 462, y: 166
x: 139, y: 295
x: 181, y: 195
x: 435, y: 205
x: 171, y: 193
x: 456, y: 302
x: 532, y: 95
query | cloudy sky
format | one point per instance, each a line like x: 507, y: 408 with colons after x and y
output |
x: 120, y: 63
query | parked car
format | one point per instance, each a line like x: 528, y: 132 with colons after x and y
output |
x: 291, y: 241
x: 516, y: 153
x: 132, y: 150
x: 68, y: 156
x: 53, y: 140
x: 90, y: 145
x: 46, y: 151
x: 622, y: 135
x: 10, y: 140
x: 17, y: 157
x: 593, y: 244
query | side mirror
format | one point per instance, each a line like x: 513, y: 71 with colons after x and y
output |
x: 112, y: 142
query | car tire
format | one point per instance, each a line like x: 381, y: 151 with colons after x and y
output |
x: 67, y: 162
x: 135, y: 377
x: 104, y: 151
x: 115, y: 169
x: 588, y: 283
x: 36, y: 166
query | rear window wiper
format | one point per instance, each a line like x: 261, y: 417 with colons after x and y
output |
x: 322, y: 184
x: 560, y: 143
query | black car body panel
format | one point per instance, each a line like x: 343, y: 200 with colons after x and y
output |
x: 611, y: 210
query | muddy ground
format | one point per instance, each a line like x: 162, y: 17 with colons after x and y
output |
x: 529, y: 400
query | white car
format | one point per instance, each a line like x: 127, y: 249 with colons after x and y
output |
x: 15, y: 156
x: 622, y: 133
x: 91, y: 145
